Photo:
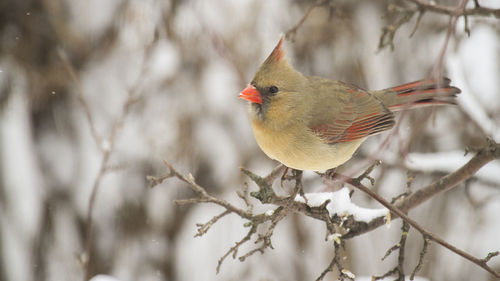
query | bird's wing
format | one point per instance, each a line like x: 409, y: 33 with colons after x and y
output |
x: 362, y: 115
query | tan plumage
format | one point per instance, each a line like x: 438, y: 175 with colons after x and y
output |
x: 312, y: 123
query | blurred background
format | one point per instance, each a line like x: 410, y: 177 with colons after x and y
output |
x: 99, y: 93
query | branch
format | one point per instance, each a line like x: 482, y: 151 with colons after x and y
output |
x: 453, y: 11
x: 291, y: 32
x: 423, y: 6
x: 337, y: 226
x: 482, y: 157
x: 402, y: 215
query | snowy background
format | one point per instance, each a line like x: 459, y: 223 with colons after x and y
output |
x: 184, y: 63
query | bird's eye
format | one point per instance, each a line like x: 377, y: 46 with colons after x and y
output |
x: 273, y: 89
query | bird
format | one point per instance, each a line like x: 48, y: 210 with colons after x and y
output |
x: 314, y: 123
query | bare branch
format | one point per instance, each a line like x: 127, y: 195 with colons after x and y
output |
x: 438, y: 68
x: 204, y: 196
x: 335, y: 224
x: 398, y: 269
x: 234, y: 249
x: 336, y: 263
x: 483, y: 157
x: 203, y: 228
x: 402, y: 215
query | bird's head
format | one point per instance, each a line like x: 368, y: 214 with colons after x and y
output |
x: 275, y: 86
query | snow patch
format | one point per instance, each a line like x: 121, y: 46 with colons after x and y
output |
x: 102, y: 277
x: 341, y: 205
x: 448, y: 162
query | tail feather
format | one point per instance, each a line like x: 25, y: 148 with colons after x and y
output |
x: 420, y: 93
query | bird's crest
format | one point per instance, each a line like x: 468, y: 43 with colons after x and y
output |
x: 278, y: 53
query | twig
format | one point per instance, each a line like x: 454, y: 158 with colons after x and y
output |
x: 421, y: 257
x: 489, y: 256
x: 81, y: 98
x: 336, y: 263
x: 398, y: 269
x: 388, y: 32
x: 291, y: 32
x: 245, y: 197
x: 438, y: 68
x: 417, y: 23
x: 204, y: 196
x: 203, y: 228
x: 235, y: 248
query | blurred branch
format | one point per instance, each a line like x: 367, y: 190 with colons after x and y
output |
x: 81, y: 98
x: 438, y: 68
x: 453, y: 11
x: 423, y: 6
x: 106, y: 147
x: 389, y: 31
x: 289, y: 34
x: 482, y: 157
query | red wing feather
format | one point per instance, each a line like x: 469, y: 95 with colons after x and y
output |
x: 363, y: 115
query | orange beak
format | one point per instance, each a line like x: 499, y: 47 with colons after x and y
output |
x: 250, y: 93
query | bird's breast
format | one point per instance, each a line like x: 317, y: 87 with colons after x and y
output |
x: 298, y: 148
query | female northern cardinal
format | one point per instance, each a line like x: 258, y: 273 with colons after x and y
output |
x: 312, y: 123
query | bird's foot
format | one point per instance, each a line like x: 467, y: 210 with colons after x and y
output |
x: 329, y: 174
x: 285, y: 176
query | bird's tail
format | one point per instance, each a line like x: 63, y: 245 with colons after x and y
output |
x: 419, y: 94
